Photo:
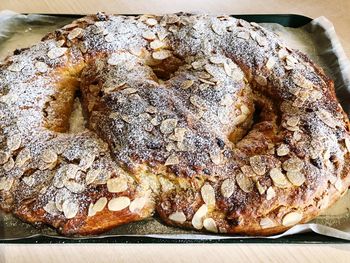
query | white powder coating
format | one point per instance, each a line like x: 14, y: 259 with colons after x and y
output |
x: 127, y: 104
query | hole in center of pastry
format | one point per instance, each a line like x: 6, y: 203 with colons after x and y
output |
x: 62, y: 111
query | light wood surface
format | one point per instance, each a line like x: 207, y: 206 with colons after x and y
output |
x: 336, y: 11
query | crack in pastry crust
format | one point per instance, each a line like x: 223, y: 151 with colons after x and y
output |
x: 210, y: 121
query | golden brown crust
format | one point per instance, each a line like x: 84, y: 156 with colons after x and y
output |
x: 212, y: 122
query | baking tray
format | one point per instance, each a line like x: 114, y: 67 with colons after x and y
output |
x: 287, y: 20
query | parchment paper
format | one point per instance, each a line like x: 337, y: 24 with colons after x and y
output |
x: 317, y: 39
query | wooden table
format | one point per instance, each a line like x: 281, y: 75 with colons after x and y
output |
x: 337, y: 11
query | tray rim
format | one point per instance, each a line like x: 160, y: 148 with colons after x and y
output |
x: 289, y: 20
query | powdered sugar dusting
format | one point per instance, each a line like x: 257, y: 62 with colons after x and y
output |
x: 169, y: 97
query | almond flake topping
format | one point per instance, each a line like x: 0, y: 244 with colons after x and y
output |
x: 56, y: 52
x: 149, y: 35
x: 292, y: 219
x: 208, y: 194
x: 210, y: 225
x: 161, y: 54
x: 245, y: 183
x: 178, y: 217
x: 172, y: 160
x: 293, y: 164
x: 76, y: 32
x: 258, y: 164
x: 267, y: 223
x: 187, y: 84
x: 227, y: 187
x: 156, y: 44
x: 278, y: 178
x: 167, y: 126
x: 118, y: 203
x: 197, y: 220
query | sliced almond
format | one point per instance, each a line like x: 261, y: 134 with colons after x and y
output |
x: 216, y: 60
x: 278, y: 178
x: 15, y: 67
x: 248, y: 171
x: 210, y: 225
x: 198, y: 102
x: 6, y: 183
x: 151, y: 22
x: 326, y: 117
x: 91, y: 175
x: 243, y: 35
x: 293, y: 121
x: 282, y: 150
x: 118, y: 203
x: 49, y: 156
x: 72, y: 170
x: 168, y: 125
x: 161, y: 54
x: 172, y: 160
x: 282, y: 53
x: 91, y: 211
x: 218, y: 29
x: 179, y: 134
x: 187, y: 84
x: 87, y: 161
x: 22, y: 157
x: 197, y: 220
x: 293, y: 164
x: 117, y: 185
x: 57, y: 52
x: 270, y: 63
x: 198, y: 64
x: 137, y: 51
x: 216, y: 157
x: 178, y: 217
x: 100, y: 204
x: 76, y: 32
x: 296, y: 177
x: 14, y: 142
x: 258, y: 165
x: 4, y: 156
x: 149, y: 35
x: 267, y: 223
x: 41, y: 66
x: 74, y: 187
x: 270, y: 193
x: 8, y: 166
x: 50, y: 208
x: 114, y: 60
x: 227, y: 187
x: 157, y: 44
x: 260, y: 188
x: 208, y: 194
x: 70, y: 209
x: 245, y: 183
x: 262, y: 41
x: 162, y: 35
x: 292, y: 219
x: 227, y: 69
x: 137, y: 204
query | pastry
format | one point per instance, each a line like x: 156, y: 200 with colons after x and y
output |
x: 211, y: 122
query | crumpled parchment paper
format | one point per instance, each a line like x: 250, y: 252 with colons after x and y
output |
x: 317, y: 39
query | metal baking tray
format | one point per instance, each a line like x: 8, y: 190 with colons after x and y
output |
x: 287, y: 20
